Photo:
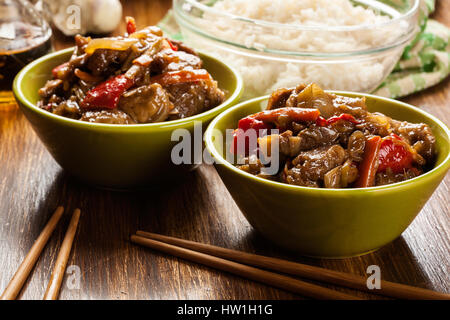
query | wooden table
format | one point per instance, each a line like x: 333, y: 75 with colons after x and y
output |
x: 198, y: 208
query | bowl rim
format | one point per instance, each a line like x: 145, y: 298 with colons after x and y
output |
x: 184, y: 20
x: 266, y: 23
x: 444, y: 166
x: 235, y: 96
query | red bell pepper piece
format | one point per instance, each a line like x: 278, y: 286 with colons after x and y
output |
x: 393, y: 154
x: 322, y: 122
x: 265, y: 119
x: 368, y: 166
x: 296, y: 114
x: 107, y: 94
x: 389, y: 152
x: 131, y: 25
x: 172, y: 46
x: 244, y: 125
x: 252, y: 123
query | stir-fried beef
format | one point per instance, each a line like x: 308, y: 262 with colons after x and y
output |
x: 168, y: 60
x: 332, y: 141
x: 308, y: 167
x: 104, y: 62
x: 141, y: 77
x: 193, y: 98
x: 418, y: 135
x: 146, y: 104
x: 107, y: 116
x: 51, y: 88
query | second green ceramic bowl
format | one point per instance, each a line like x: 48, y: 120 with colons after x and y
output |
x: 114, y: 156
x: 331, y: 223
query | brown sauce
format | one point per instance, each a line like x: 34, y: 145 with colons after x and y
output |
x: 11, y: 62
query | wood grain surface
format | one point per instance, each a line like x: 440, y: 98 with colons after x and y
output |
x: 198, y: 208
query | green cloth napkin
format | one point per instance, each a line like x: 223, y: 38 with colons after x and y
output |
x: 424, y: 63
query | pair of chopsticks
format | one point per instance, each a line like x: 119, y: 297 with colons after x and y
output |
x: 244, y: 264
x: 22, y: 273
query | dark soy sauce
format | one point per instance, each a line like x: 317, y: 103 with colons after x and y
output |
x: 21, y: 52
x: 21, y: 42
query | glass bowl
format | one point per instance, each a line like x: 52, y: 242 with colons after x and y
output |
x: 356, y: 56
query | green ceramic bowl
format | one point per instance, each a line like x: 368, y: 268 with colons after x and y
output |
x: 331, y: 223
x: 113, y: 156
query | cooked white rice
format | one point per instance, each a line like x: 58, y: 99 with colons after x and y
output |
x: 263, y: 76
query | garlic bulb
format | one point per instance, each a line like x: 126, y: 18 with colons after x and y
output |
x: 85, y: 16
x: 106, y: 15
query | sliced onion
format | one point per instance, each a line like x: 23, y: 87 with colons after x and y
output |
x: 110, y: 43
x: 147, y: 32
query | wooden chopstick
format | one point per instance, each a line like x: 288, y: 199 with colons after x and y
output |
x: 388, y: 288
x: 22, y: 273
x: 59, y: 269
x: 270, y: 278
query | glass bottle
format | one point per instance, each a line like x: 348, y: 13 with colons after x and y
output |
x: 24, y: 36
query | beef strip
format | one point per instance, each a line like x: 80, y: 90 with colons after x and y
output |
x: 146, y: 104
x: 50, y: 88
x: 388, y: 177
x: 278, y: 98
x: 67, y: 108
x: 289, y: 145
x: 356, y: 146
x: 107, y: 116
x: 309, y: 138
x: 168, y: 60
x: 315, y: 136
x: 310, y: 167
x: 191, y: 98
x: 418, y: 135
x: 104, y: 62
